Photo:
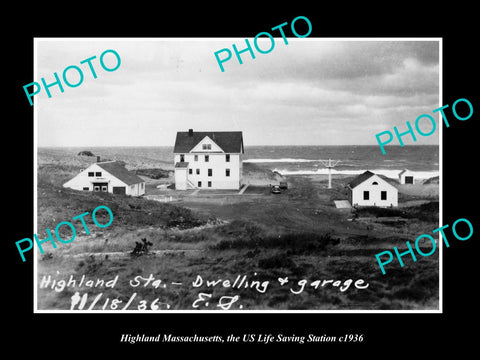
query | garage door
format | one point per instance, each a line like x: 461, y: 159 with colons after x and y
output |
x: 119, y: 190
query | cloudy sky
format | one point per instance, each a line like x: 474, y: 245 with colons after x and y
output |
x: 310, y: 92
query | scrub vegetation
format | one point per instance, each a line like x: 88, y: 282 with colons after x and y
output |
x: 297, y: 235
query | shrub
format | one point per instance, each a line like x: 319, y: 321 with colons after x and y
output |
x: 141, y: 248
x: 295, y: 243
x: 276, y: 261
x: 85, y: 153
x: 425, y: 212
x: 153, y: 173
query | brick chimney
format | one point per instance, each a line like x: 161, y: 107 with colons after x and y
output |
x: 98, y: 158
x: 190, y: 132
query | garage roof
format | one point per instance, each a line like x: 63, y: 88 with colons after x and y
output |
x: 120, y: 172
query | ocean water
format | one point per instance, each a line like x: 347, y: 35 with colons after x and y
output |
x: 423, y: 161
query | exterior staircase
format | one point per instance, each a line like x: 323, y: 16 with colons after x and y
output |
x: 190, y: 185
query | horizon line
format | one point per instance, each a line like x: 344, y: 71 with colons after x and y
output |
x: 168, y: 146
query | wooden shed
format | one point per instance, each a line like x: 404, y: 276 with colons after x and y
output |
x: 406, y: 177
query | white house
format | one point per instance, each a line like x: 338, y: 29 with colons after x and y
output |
x: 108, y: 176
x: 208, y: 160
x: 406, y: 177
x: 368, y: 189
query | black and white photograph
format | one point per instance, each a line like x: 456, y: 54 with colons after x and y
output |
x: 219, y: 180
x: 258, y: 188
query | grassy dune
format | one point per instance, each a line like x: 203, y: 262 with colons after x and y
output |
x: 298, y: 236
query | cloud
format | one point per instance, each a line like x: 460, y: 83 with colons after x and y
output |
x: 310, y: 91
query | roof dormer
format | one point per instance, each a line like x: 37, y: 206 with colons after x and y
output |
x: 207, y: 145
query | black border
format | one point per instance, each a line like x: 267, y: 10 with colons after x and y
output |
x: 406, y: 333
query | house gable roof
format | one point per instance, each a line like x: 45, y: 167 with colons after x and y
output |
x: 404, y: 171
x: 360, y: 179
x: 120, y: 172
x: 229, y: 141
x: 206, y: 140
x: 364, y: 177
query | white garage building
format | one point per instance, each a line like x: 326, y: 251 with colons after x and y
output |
x: 108, y: 176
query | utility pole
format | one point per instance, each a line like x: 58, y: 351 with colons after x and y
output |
x: 329, y: 165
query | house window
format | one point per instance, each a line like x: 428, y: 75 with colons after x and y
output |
x: 195, y: 158
x: 209, y: 184
x: 98, y: 173
x: 207, y: 146
x: 190, y: 171
x: 227, y: 172
x: 366, y: 195
x: 90, y: 174
x: 227, y: 157
x: 198, y: 171
x: 210, y: 172
x: 104, y: 188
x: 96, y: 188
x: 199, y: 184
x: 86, y: 188
x: 182, y: 158
x: 207, y: 158
x: 375, y: 183
x: 383, y: 195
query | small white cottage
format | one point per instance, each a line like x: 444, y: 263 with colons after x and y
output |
x: 369, y: 189
x: 406, y: 177
x: 108, y: 176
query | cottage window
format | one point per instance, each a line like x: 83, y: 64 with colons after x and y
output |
x: 375, y: 183
x: 199, y: 184
x: 366, y: 195
x: 210, y: 172
x: 195, y: 158
x: 96, y: 188
x: 227, y: 157
x: 383, y: 195
x: 98, y: 173
x: 198, y: 171
x: 209, y: 184
x: 207, y: 146
x: 207, y: 158
x: 227, y: 172
x: 182, y: 158
x: 90, y: 174
x: 190, y: 171
x: 104, y: 188
x: 86, y: 188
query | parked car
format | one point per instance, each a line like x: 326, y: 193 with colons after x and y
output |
x: 275, y: 189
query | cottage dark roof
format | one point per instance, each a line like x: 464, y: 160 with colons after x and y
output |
x: 120, y: 172
x: 229, y: 141
x: 360, y: 179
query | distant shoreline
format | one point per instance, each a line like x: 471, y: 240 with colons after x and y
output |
x: 87, y: 147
